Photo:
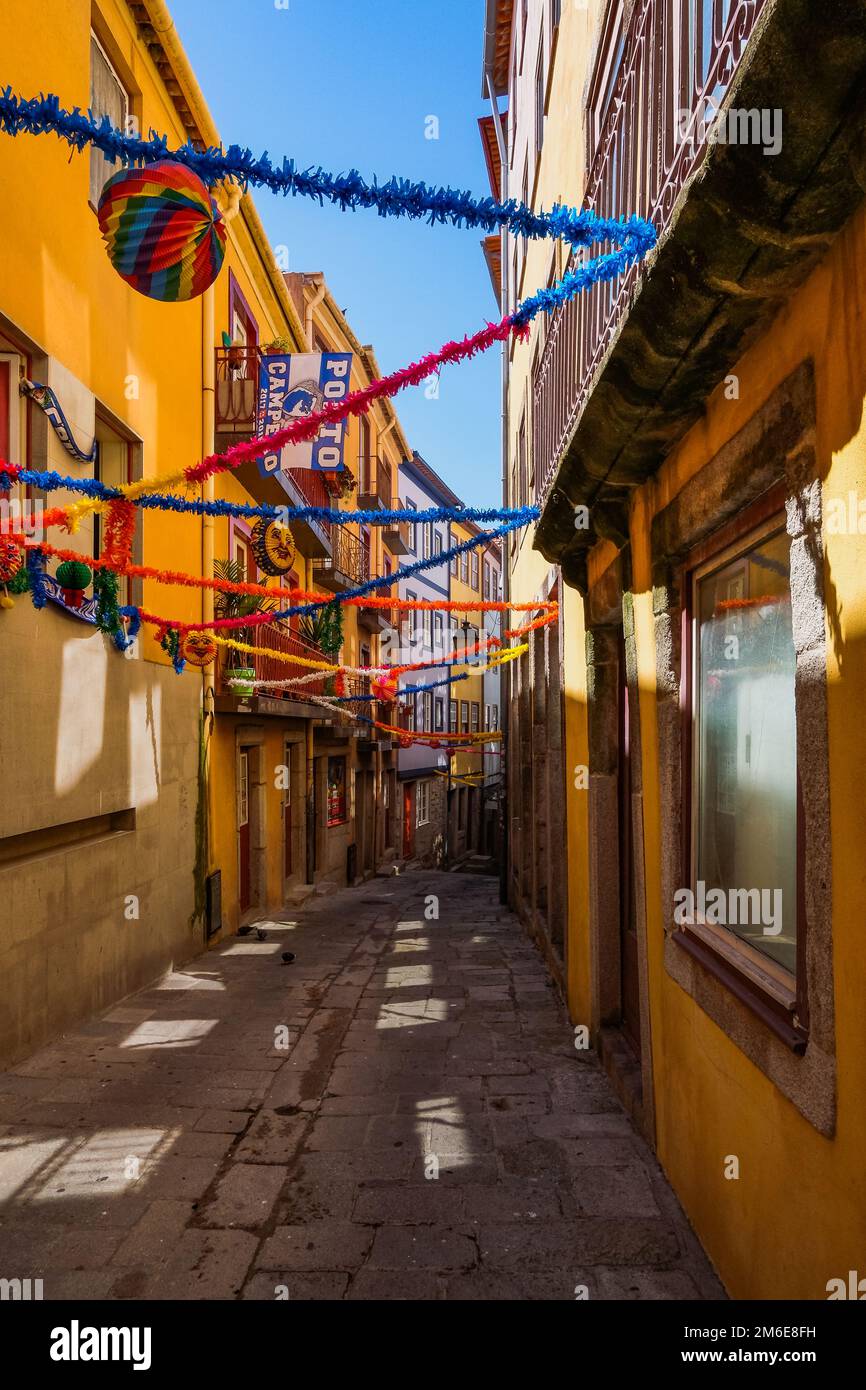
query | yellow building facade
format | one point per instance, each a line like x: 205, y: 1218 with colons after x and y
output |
x: 696, y: 450
x: 469, y: 630
x: 149, y: 812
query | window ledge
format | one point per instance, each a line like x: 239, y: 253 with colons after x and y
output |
x: 763, y: 997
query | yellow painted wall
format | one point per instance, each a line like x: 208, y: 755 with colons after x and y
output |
x: 57, y: 283
x: 797, y: 1215
x: 105, y: 734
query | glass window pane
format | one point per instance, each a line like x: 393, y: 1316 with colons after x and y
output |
x: 746, y: 751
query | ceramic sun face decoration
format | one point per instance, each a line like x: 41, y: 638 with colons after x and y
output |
x: 199, y: 649
x: 273, y: 547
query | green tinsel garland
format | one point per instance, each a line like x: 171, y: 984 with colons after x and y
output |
x: 107, y: 608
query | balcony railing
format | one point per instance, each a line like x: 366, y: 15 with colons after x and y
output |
x: 237, y: 380
x: 311, y: 486
x: 277, y: 637
x: 348, y: 563
x: 375, y: 482
x: 678, y: 60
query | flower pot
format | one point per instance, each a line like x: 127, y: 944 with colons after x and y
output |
x: 73, y: 598
x: 247, y: 675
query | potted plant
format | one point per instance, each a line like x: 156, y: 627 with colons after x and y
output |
x: 277, y: 347
x: 325, y: 630
x: 232, y: 605
x: 340, y: 482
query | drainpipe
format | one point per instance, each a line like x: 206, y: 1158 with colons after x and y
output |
x: 506, y: 673
x: 208, y: 404
x: 310, y: 306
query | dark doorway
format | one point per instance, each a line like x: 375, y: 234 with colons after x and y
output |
x: 244, y: 867
x: 630, y: 980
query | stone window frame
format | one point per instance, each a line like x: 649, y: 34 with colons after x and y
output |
x: 611, y: 637
x: 775, y: 449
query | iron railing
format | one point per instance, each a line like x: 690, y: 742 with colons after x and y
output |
x: 677, y: 62
x: 375, y: 482
x: 237, y: 384
x: 278, y: 637
x: 349, y: 562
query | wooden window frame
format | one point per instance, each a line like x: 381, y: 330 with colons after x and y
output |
x: 129, y: 101
x: 778, y: 997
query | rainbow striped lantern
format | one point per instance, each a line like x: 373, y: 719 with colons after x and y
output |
x: 165, y: 234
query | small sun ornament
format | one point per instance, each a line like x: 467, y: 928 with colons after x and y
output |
x: 11, y: 560
x: 199, y: 649
x: 165, y: 235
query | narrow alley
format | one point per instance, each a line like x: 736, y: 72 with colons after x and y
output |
x: 399, y: 1112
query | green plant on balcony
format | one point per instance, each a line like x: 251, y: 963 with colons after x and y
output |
x: 340, y: 482
x: 324, y: 629
x: 235, y: 606
x: 277, y: 347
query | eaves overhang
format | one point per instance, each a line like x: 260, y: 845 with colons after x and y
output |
x: 745, y: 233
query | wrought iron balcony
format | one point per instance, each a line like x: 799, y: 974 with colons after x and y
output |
x: 678, y: 60
x: 347, y: 565
x: 375, y: 483
x: 236, y: 382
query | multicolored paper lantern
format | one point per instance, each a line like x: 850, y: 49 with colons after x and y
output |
x: 199, y: 649
x: 384, y: 688
x: 273, y: 546
x: 165, y: 234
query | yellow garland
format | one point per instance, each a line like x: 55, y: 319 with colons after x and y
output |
x: 278, y: 656
x: 141, y: 488
x: 506, y: 654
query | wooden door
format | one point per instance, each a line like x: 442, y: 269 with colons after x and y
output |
x: 629, y: 977
x: 244, y: 875
x: 407, y: 821
x: 387, y: 807
x: 287, y: 815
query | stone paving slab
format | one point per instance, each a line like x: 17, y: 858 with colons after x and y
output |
x: 398, y: 1115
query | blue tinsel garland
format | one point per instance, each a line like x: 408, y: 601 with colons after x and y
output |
x: 397, y: 197
x: 50, y: 480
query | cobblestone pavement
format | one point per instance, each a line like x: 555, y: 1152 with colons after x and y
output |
x: 251, y: 1129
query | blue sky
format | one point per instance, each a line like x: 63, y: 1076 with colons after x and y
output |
x: 347, y: 83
